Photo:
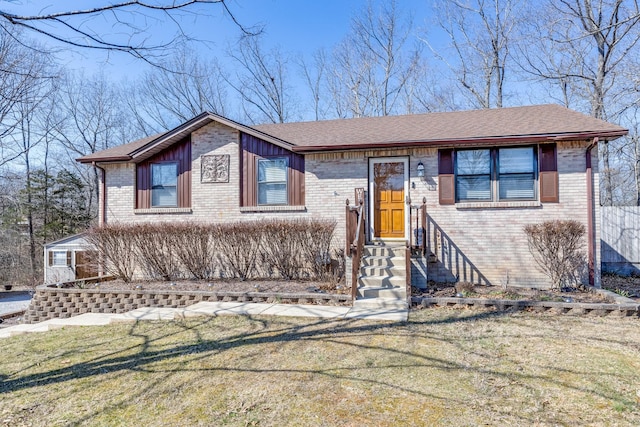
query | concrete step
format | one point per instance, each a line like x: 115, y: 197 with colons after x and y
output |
x: 388, y: 271
x: 378, y: 303
x: 395, y: 292
x: 383, y: 261
x: 392, y: 251
x: 382, y: 281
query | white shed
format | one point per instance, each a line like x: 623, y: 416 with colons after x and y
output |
x: 68, y: 259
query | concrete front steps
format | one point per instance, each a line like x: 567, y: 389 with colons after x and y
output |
x: 382, y: 279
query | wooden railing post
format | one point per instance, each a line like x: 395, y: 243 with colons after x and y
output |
x: 348, y: 235
x: 408, y: 272
x: 424, y: 226
x: 358, y: 242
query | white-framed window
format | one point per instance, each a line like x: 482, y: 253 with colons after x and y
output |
x: 272, y: 181
x: 59, y: 258
x: 164, y: 184
x: 496, y: 174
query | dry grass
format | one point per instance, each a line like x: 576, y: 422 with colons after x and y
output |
x: 443, y: 367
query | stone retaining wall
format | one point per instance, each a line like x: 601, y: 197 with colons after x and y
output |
x: 53, y: 302
x: 596, y: 309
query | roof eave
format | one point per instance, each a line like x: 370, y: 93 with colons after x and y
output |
x: 203, y: 119
x: 91, y: 160
x: 498, y: 140
x: 179, y: 133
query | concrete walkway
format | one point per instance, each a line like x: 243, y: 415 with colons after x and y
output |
x: 213, y: 309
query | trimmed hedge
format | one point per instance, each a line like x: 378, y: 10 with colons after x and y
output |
x: 286, y: 249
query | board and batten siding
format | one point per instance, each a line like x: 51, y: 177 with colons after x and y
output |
x: 180, y: 153
x: 252, y: 149
x: 620, y: 236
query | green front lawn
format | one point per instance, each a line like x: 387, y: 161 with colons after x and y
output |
x: 443, y: 367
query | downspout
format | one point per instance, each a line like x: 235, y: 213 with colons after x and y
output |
x: 590, y: 209
x: 102, y: 202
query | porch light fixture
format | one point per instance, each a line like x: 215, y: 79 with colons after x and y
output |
x: 420, y: 169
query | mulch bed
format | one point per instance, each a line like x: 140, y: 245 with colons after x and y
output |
x: 625, y: 286
x: 281, y: 286
x: 468, y: 290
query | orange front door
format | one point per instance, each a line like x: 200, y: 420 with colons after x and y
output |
x: 389, y: 199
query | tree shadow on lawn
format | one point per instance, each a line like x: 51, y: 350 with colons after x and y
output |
x: 330, y: 331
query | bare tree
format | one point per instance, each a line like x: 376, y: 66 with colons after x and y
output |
x: 163, y: 99
x: 347, y: 82
x: 585, y: 47
x: 130, y: 22
x: 314, y: 74
x: 93, y: 119
x: 480, y: 33
x: 262, y: 81
x: 372, y: 65
x: 30, y: 132
x: 23, y: 77
x: 426, y: 92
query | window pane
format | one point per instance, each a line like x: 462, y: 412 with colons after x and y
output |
x: 516, y: 160
x: 473, y: 187
x: 272, y: 194
x: 164, y: 196
x: 164, y: 180
x: 164, y: 174
x: 60, y: 258
x: 473, y: 162
x: 272, y: 181
x: 272, y: 170
x: 517, y: 186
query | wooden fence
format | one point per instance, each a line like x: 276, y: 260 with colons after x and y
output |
x: 620, y: 239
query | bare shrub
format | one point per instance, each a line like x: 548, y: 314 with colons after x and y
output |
x: 282, y: 248
x: 115, y: 249
x: 290, y: 249
x: 316, y: 248
x: 237, y: 245
x: 557, y: 248
x: 298, y: 249
x: 193, y: 246
x: 465, y: 288
x: 155, y: 250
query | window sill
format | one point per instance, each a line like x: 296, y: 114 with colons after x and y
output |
x: 273, y: 209
x: 162, y: 211
x: 499, y: 205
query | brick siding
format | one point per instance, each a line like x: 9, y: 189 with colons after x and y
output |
x: 478, y: 243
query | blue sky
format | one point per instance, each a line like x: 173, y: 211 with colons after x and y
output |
x: 296, y: 26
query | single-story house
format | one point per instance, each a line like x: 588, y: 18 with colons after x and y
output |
x: 482, y: 175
